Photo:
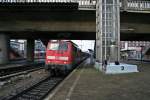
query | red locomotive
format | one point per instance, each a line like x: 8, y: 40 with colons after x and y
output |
x: 62, y: 56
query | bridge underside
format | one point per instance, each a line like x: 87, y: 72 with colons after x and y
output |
x: 53, y: 35
x: 55, y: 24
x: 135, y: 26
x: 135, y: 37
x: 67, y: 23
x: 75, y: 35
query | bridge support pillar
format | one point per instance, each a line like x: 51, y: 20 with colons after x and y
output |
x: 4, y: 48
x: 30, y: 49
x: 124, y: 5
x: 108, y: 30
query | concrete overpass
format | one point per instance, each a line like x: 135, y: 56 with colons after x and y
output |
x: 67, y: 20
x: 68, y: 23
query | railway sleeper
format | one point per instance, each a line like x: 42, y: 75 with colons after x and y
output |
x: 30, y: 97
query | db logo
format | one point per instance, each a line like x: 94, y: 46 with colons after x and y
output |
x: 122, y: 67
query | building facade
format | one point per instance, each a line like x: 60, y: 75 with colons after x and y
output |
x: 134, y: 49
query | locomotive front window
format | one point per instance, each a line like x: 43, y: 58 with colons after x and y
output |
x: 57, y: 46
x: 53, y: 46
x: 63, y: 46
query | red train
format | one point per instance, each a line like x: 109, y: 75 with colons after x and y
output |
x: 62, y: 56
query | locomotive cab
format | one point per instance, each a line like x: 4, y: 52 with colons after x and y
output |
x: 58, y: 56
x: 62, y: 56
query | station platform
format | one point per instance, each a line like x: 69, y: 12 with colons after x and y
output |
x: 87, y: 83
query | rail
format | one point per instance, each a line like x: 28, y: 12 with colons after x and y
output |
x: 38, y: 91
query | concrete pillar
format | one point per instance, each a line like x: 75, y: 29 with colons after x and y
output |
x: 4, y: 48
x: 114, y: 53
x: 30, y: 49
x: 95, y: 49
x: 98, y: 31
x: 124, y: 5
x: 99, y: 51
x: 106, y: 35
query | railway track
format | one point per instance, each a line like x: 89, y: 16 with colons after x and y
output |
x: 3, y: 78
x: 14, y: 70
x: 39, y: 90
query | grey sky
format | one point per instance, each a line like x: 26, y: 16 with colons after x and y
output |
x: 85, y: 44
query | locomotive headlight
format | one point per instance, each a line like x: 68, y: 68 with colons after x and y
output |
x: 63, y: 58
x: 50, y: 57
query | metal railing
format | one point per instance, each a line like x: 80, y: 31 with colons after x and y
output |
x: 87, y: 4
x: 135, y: 5
x: 82, y: 3
x: 35, y: 1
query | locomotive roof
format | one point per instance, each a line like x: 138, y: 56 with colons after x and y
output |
x: 73, y: 43
x: 66, y: 41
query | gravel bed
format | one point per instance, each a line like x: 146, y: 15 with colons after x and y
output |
x: 17, y: 84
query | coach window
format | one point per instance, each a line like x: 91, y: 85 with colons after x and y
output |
x: 53, y: 46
